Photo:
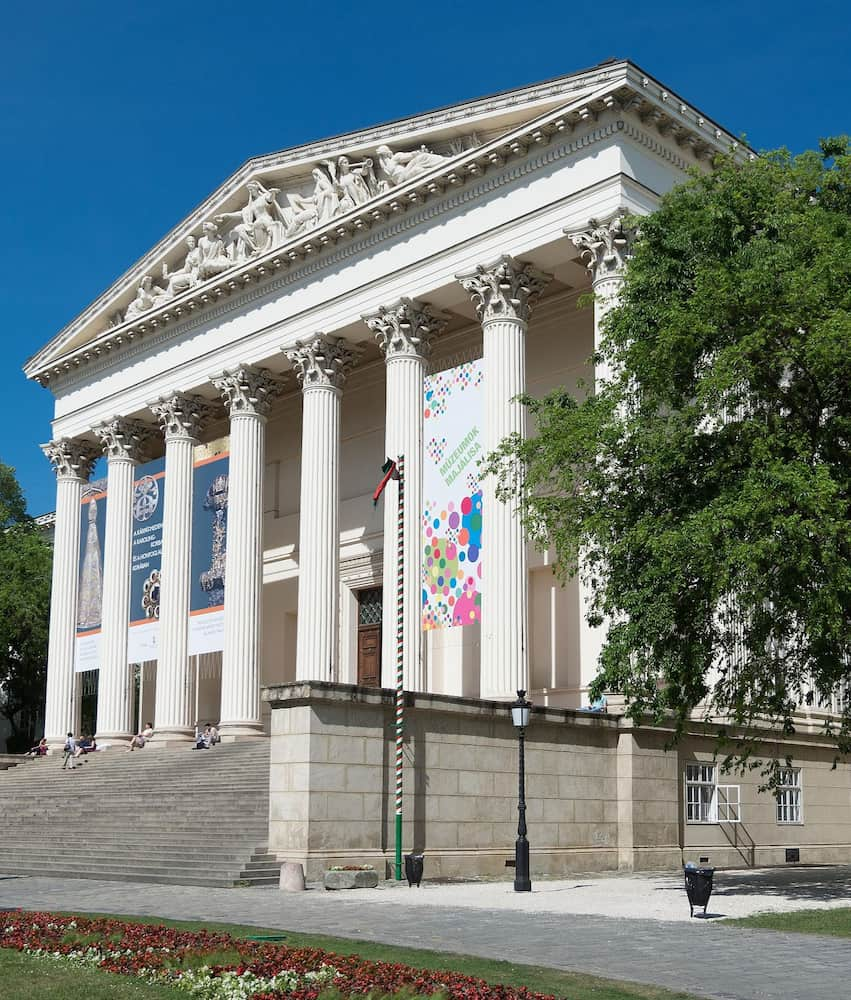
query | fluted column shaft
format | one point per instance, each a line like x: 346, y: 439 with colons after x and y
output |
x: 123, y: 441
x: 73, y: 464
x: 503, y: 293
x: 321, y: 365
x: 247, y: 393
x: 605, y: 250
x: 404, y: 332
x: 182, y: 418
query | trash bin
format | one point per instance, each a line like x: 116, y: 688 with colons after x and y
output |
x: 698, y: 886
x: 414, y: 869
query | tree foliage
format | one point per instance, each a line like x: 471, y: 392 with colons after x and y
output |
x: 706, y: 485
x: 25, y: 564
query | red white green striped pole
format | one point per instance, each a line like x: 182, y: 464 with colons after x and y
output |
x: 400, y: 654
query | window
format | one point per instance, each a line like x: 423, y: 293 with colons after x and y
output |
x: 789, y: 796
x: 700, y: 793
x: 706, y: 800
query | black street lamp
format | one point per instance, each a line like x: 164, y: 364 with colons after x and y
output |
x: 520, y: 712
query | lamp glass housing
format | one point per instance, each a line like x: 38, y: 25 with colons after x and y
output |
x: 520, y: 711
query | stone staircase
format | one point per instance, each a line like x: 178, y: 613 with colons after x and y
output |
x: 171, y: 815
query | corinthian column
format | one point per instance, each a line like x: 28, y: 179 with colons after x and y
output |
x: 606, y: 249
x: 404, y: 332
x: 72, y: 462
x: 503, y: 294
x: 321, y: 365
x: 248, y: 393
x: 124, y: 442
x: 182, y: 418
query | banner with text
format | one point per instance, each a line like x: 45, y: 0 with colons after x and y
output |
x: 209, y: 543
x: 453, y: 409
x: 90, y: 594
x: 146, y: 561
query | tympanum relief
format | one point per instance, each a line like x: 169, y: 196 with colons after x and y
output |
x: 270, y: 217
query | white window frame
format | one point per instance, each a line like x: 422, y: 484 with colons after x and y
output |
x: 789, y: 797
x: 707, y: 802
x: 700, y: 806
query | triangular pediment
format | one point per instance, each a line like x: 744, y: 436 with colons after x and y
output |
x: 280, y: 207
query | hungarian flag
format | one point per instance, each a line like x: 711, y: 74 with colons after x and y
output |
x: 389, y: 470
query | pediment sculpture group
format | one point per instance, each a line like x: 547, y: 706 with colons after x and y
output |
x: 265, y: 222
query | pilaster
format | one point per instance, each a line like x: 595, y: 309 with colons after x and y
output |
x: 73, y: 462
x: 504, y: 294
x: 321, y: 365
x: 125, y: 443
x: 404, y: 332
x: 248, y: 393
x: 182, y: 418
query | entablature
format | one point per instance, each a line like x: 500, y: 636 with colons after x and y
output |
x: 283, y: 239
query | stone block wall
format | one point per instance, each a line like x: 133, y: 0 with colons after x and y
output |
x: 602, y: 794
x: 332, y: 783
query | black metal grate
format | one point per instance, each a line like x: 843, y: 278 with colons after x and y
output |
x: 370, y: 606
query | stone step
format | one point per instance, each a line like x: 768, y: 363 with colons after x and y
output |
x: 163, y: 815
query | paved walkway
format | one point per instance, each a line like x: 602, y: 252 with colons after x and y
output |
x: 697, y: 956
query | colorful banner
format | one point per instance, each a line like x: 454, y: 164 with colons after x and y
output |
x: 209, y: 544
x: 146, y: 561
x: 90, y: 594
x: 453, y: 410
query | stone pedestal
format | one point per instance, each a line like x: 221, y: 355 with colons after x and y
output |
x: 292, y: 877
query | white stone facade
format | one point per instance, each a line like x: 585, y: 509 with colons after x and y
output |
x: 298, y: 311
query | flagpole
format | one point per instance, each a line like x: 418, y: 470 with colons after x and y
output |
x: 400, y: 654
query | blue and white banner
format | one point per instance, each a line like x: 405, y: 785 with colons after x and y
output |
x: 90, y: 593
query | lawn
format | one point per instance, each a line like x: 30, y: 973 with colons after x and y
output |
x: 34, y: 978
x: 836, y: 922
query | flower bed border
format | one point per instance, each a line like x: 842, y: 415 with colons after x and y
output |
x: 154, y: 952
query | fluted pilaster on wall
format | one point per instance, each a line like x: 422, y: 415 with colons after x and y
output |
x: 606, y: 248
x: 182, y: 418
x: 321, y: 365
x: 72, y: 461
x: 125, y: 442
x: 248, y: 393
x: 503, y: 293
x: 404, y: 332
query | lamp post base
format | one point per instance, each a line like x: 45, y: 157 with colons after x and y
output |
x: 522, y: 879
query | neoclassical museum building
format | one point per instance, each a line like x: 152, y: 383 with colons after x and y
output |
x: 384, y: 294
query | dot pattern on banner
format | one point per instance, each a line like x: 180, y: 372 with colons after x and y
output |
x: 440, y: 387
x: 472, y: 482
x: 436, y: 449
x: 452, y: 566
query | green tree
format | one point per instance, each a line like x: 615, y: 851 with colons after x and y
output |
x: 707, y: 485
x: 25, y: 563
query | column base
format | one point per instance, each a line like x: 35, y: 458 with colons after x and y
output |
x: 115, y: 739
x: 231, y: 731
x: 177, y: 736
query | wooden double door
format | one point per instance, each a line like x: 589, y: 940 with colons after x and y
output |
x: 370, y: 615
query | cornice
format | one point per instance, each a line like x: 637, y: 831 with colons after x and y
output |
x: 649, y: 109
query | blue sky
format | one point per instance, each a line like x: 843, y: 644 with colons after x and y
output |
x: 116, y: 120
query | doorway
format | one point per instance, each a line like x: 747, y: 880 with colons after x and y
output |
x: 370, y: 613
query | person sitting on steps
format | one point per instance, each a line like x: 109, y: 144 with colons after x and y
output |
x: 40, y: 749
x: 140, y: 739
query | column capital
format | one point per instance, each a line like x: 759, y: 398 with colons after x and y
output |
x: 504, y: 289
x: 125, y: 438
x: 606, y: 246
x: 71, y: 458
x: 322, y: 362
x: 248, y: 390
x: 406, y: 329
x: 182, y: 415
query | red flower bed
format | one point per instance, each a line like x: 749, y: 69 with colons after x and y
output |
x: 149, y: 947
